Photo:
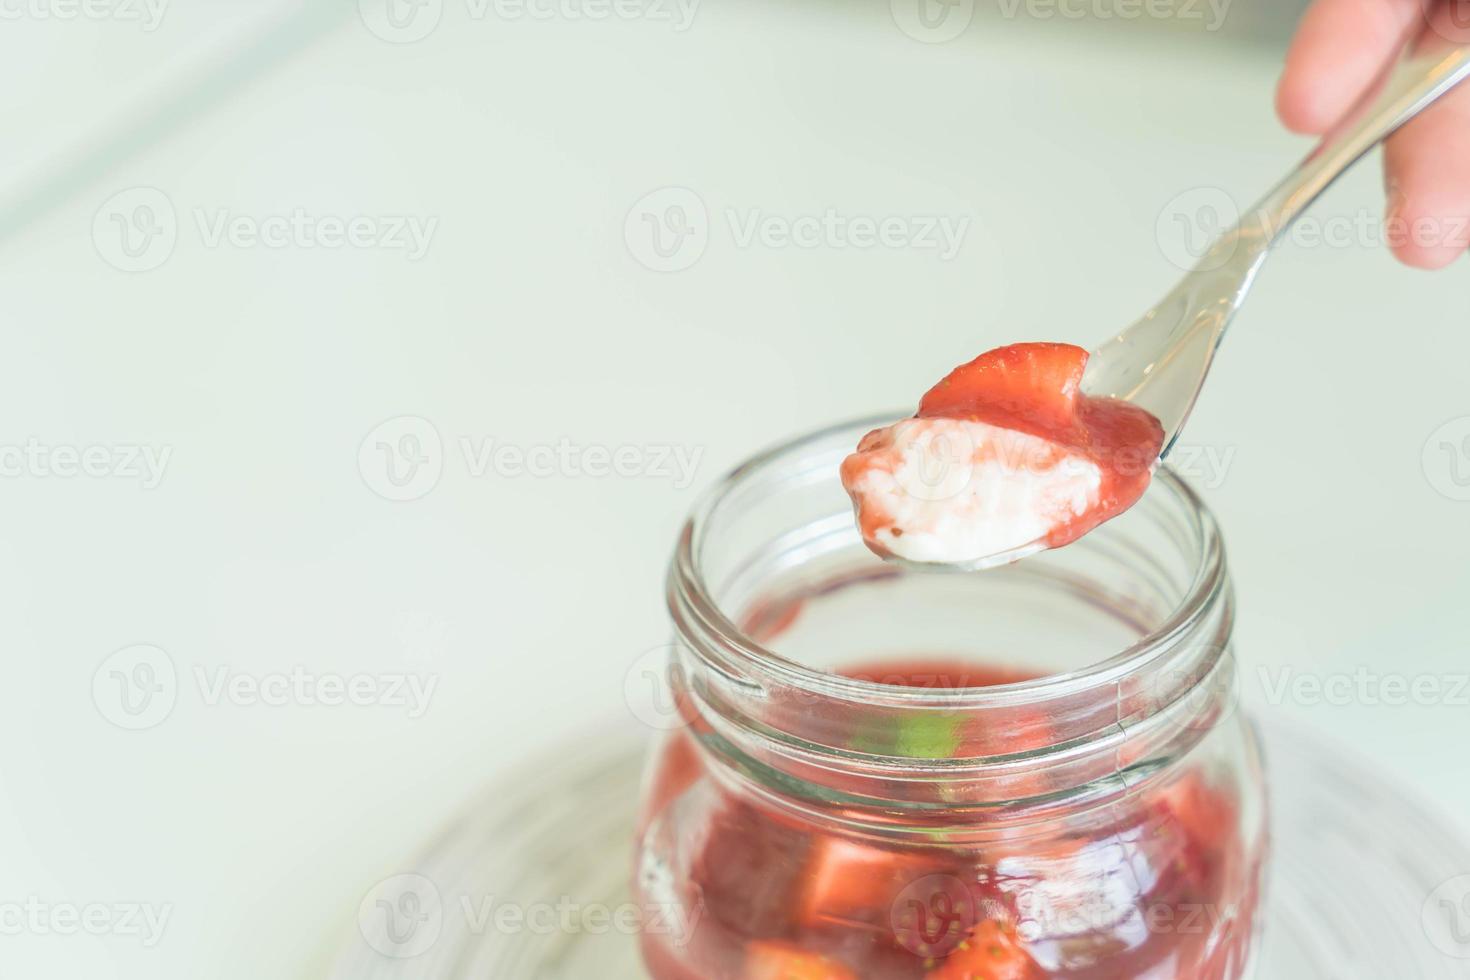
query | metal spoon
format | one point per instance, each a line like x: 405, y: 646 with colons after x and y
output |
x: 1160, y: 362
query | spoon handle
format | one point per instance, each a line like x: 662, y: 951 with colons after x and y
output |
x: 1405, y: 89
x: 1228, y: 268
x: 1160, y: 362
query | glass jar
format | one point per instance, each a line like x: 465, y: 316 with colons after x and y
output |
x: 1032, y: 771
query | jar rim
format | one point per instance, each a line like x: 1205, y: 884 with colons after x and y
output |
x: 742, y: 655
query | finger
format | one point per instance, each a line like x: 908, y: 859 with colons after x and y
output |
x: 1428, y: 165
x: 1340, y: 49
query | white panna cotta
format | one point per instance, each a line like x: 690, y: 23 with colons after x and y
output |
x: 956, y: 490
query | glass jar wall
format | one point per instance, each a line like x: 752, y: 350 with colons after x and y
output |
x: 1034, y: 771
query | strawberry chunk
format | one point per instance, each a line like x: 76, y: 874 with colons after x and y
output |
x: 845, y: 880
x: 783, y: 961
x: 848, y: 883
x: 992, y: 951
x: 1207, y: 816
x: 1033, y: 387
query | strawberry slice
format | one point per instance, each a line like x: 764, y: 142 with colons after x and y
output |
x: 991, y: 952
x: 767, y: 960
x: 1033, y: 387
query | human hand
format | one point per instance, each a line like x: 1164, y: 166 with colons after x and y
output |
x: 1340, y: 49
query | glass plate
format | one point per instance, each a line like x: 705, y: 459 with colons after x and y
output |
x: 532, y: 884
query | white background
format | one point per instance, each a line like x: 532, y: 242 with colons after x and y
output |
x: 530, y: 320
